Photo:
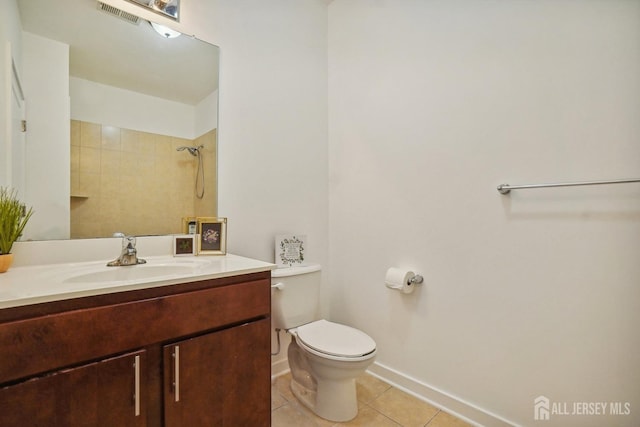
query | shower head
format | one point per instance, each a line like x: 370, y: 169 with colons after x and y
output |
x: 194, y: 151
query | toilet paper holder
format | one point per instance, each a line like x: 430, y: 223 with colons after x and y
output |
x: 416, y: 280
x: 402, y: 280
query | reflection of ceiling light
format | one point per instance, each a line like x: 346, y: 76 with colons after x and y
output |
x: 165, y: 32
x: 169, y: 7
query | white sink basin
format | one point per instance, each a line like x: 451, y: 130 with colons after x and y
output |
x: 135, y: 272
x: 149, y: 271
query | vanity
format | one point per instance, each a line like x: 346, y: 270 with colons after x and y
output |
x: 185, y: 343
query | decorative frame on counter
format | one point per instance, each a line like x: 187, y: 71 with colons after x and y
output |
x: 212, y: 236
x: 184, y: 244
x: 290, y: 249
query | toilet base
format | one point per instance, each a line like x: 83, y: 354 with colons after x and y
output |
x: 305, y: 396
x: 333, y: 400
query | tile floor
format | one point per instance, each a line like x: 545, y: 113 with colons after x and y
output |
x: 379, y: 405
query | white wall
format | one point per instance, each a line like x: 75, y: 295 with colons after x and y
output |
x: 432, y: 104
x: 98, y: 103
x: 206, y: 114
x: 273, y: 120
x: 46, y: 88
x: 272, y: 152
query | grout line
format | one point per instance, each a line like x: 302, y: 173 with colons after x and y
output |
x: 385, y: 415
x: 432, y: 418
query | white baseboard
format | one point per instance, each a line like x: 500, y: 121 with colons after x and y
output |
x: 438, y: 398
x: 278, y: 368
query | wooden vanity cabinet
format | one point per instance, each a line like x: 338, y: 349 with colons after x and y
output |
x: 193, y: 354
x: 105, y: 393
x: 210, y: 380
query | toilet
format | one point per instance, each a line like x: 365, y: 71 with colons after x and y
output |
x: 325, y: 358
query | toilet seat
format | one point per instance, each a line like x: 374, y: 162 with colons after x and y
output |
x: 335, y: 341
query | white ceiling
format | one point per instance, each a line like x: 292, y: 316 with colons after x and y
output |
x: 111, y: 51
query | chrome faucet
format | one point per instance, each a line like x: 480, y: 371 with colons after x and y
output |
x: 129, y: 254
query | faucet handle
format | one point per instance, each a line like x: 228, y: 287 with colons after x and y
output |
x: 129, y: 243
x: 118, y: 234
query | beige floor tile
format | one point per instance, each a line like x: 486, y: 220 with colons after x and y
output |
x: 277, y: 400
x: 369, y: 387
x: 442, y: 419
x: 282, y: 388
x: 318, y: 421
x: 369, y: 417
x: 283, y: 385
x: 290, y: 416
x: 404, y: 408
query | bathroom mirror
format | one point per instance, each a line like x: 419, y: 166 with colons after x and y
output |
x: 134, y: 97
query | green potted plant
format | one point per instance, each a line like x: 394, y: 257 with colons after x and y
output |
x: 13, y: 218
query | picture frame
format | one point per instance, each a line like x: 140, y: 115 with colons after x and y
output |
x: 189, y: 225
x: 290, y: 249
x: 184, y: 245
x: 212, y: 236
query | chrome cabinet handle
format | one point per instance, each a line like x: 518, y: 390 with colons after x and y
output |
x: 176, y: 373
x: 136, y: 374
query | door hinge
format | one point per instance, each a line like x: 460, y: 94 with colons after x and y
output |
x: 23, y: 125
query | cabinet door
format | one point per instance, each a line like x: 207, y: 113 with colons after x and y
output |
x: 105, y: 393
x: 220, y: 379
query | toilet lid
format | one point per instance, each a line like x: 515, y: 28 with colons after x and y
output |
x: 335, y: 339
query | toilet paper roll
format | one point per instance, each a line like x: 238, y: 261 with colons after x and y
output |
x: 397, y: 278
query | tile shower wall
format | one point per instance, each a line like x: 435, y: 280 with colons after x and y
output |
x: 136, y: 182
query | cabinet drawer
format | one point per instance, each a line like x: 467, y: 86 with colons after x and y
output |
x: 44, y: 343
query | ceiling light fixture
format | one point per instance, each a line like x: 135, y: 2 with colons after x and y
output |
x: 168, y: 7
x: 165, y: 32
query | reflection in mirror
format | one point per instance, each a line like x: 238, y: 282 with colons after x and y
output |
x: 170, y: 8
x: 108, y: 102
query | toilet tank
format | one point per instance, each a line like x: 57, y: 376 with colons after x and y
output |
x: 296, y: 298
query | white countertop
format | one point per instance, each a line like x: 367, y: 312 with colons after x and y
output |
x: 53, y: 282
